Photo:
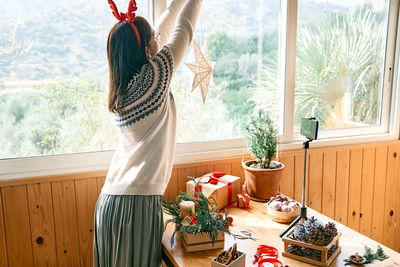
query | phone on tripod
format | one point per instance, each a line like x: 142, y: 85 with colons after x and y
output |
x: 309, y: 128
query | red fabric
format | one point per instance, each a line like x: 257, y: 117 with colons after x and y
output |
x: 129, y: 16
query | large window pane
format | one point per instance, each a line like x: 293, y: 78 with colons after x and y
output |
x: 242, y: 38
x: 54, y: 76
x: 339, y: 62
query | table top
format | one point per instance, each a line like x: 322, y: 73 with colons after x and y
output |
x: 266, y: 231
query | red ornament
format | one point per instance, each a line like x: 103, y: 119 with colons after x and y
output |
x: 193, y: 220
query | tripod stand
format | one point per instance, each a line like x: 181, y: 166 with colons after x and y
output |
x: 303, y: 209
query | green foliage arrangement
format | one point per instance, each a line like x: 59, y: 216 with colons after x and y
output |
x: 261, y: 138
x: 207, y: 216
x: 370, y: 256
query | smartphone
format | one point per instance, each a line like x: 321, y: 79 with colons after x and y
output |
x: 309, y: 128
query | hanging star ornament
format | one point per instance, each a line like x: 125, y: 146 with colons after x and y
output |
x: 202, y: 68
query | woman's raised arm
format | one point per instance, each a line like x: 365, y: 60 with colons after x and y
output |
x: 182, y: 35
x: 166, y: 22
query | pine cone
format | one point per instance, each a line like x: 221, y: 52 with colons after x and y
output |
x: 295, y: 250
x: 300, y: 233
x: 330, y: 232
x: 332, y: 250
x: 312, y: 253
x: 312, y: 223
x: 316, y: 236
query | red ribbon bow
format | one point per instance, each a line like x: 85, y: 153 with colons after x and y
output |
x: 129, y: 16
x: 266, y: 254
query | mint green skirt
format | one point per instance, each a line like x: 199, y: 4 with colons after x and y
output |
x: 128, y: 231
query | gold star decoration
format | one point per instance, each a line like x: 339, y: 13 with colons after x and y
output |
x: 202, y: 68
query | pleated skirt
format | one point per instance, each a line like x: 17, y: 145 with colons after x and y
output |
x: 128, y: 231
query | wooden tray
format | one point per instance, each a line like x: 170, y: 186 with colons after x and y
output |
x: 283, y: 217
x: 198, y: 242
x: 324, y: 250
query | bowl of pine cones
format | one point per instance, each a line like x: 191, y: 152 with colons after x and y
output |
x: 320, y: 241
x: 230, y: 257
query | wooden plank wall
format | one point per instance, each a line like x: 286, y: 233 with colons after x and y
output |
x: 48, y: 221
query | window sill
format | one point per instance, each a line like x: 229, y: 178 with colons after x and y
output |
x: 185, y: 153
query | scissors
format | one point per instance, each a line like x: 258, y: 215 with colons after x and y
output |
x: 244, y: 235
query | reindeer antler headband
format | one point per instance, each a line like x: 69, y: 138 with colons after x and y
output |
x: 128, y: 17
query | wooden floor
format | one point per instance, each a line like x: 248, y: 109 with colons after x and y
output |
x: 48, y: 221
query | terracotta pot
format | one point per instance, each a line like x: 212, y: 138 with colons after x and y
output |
x: 261, y: 184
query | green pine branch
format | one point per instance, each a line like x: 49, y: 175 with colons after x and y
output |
x: 207, y: 214
x: 370, y: 256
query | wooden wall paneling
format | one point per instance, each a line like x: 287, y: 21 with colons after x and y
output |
x: 298, y: 176
x: 225, y: 167
x: 3, y: 248
x: 237, y: 170
x: 17, y: 226
x: 397, y: 213
x: 367, y: 191
x: 86, y: 197
x: 183, y: 173
x: 315, y: 179
x: 204, y: 169
x: 51, y: 178
x: 166, y: 192
x: 355, y: 182
x: 378, y: 211
x: 67, y: 240
x: 173, y: 185
x: 100, y: 182
x: 287, y: 182
x: 329, y: 183
x: 390, y: 195
x: 342, y: 182
x: 42, y: 224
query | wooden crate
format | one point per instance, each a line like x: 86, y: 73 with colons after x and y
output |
x: 325, y: 261
x: 239, y: 262
x: 198, y: 242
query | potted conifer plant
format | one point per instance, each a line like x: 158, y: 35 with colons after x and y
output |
x: 262, y: 174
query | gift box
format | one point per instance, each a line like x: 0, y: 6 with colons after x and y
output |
x: 243, y: 200
x: 220, y: 186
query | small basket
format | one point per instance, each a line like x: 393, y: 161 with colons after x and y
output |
x: 239, y: 262
x: 325, y: 260
x: 283, y: 217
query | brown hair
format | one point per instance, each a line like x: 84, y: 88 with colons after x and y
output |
x: 125, y: 58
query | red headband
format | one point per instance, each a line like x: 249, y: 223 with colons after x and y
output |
x: 128, y: 17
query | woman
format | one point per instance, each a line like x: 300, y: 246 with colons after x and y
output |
x: 128, y: 215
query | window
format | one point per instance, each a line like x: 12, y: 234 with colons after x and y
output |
x: 331, y: 59
x: 241, y: 42
x: 340, y: 66
x: 54, y: 77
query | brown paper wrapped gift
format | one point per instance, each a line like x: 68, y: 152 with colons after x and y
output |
x: 243, y: 200
x: 222, y: 187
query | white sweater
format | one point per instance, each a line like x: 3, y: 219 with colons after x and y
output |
x: 143, y: 161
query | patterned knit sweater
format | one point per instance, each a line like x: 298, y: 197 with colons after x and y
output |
x: 143, y: 161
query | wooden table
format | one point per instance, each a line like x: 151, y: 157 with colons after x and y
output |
x: 267, y: 232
